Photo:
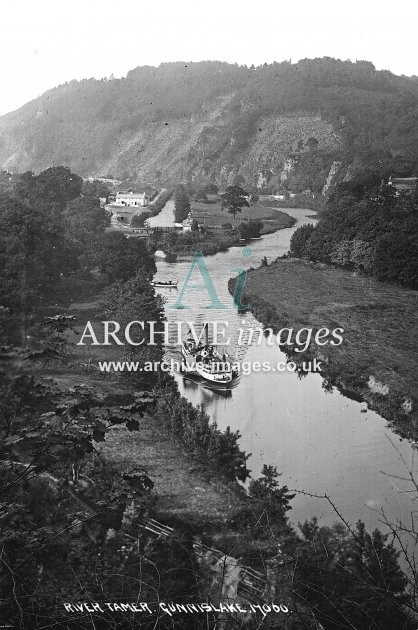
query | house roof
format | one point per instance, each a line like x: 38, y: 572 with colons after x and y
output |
x: 129, y: 193
x: 403, y: 182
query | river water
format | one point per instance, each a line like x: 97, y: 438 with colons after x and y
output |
x: 321, y: 442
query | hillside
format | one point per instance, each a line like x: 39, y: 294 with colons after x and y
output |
x: 277, y: 126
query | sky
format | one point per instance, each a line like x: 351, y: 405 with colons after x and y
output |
x: 47, y: 42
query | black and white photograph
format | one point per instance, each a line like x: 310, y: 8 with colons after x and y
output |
x: 208, y: 315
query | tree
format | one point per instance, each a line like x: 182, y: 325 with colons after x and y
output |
x: 120, y: 258
x: 396, y: 258
x: 33, y: 254
x: 250, y: 229
x: 265, y: 516
x: 234, y: 198
x: 368, y: 227
x: 138, y: 220
x: 135, y: 300
x: 266, y: 488
x: 201, y: 195
x: 84, y: 222
x: 95, y: 189
x: 54, y: 185
x: 181, y: 204
x: 211, y: 189
x: 299, y: 239
x: 351, y: 578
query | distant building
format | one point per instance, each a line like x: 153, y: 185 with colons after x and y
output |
x: 104, y: 180
x: 130, y: 198
x: 403, y: 184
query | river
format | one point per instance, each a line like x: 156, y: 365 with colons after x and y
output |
x: 321, y: 442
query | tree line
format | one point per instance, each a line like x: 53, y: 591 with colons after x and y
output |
x: 367, y: 227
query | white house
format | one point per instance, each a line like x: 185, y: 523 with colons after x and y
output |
x: 130, y: 198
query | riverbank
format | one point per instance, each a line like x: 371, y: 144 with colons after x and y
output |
x: 317, y: 203
x: 211, y: 215
x: 184, y: 487
x: 215, y: 240
x: 220, y: 230
x: 376, y: 361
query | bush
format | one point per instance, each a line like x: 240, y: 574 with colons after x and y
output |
x: 299, y: 240
x: 139, y: 219
x: 211, y: 189
x: 218, y: 449
x: 250, y: 229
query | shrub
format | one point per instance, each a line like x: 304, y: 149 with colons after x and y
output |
x: 299, y: 240
x: 139, y: 219
x: 218, y: 449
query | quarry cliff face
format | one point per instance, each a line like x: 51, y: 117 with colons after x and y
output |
x: 212, y: 149
x: 214, y: 144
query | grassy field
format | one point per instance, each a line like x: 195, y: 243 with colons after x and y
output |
x: 211, y: 214
x: 379, y: 322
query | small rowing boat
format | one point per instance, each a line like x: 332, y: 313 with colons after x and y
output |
x: 167, y: 284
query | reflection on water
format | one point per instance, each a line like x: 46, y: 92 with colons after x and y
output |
x: 321, y: 442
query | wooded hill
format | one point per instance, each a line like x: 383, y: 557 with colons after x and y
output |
x: 278, y: 126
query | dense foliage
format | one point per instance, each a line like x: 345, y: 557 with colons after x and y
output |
x: 120, y: 258
x: 265, y: 514
x: 138, y: 220
x: 250, y: 229
x: 217, y: 450
x: 46, y: 226
x: 367, y: 227
x: 135, y: 300
x: 96, y: 189
x: 299, y: 240
x: 351, y: 578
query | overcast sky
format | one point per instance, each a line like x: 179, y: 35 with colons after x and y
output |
x: 46, y: 42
